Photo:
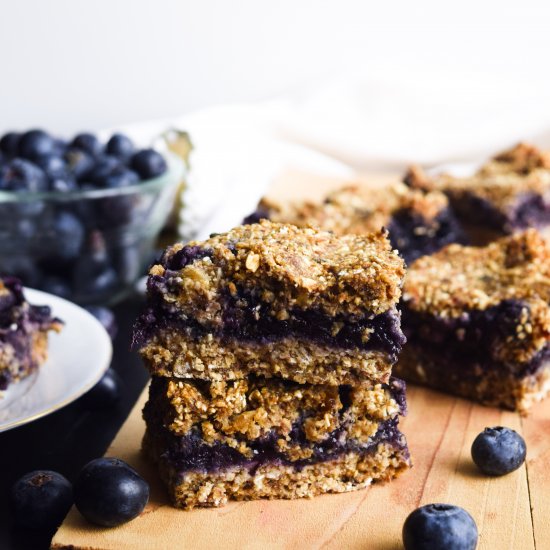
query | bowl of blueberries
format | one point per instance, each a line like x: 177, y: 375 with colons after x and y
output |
x: 79, y: 218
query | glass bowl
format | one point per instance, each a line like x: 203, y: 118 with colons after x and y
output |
x: 89, y: 246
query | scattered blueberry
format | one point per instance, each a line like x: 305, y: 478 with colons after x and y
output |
x: 106, y: 393
x: 9, y: 143
x: 440, y: 527
x: 35, y: 144
x: 498, y: 451
x: 148, y: 164
x: 41, y: 499
x: 22, y: 175
x: 106, y: 317
x: 88, y: 143
x: 109, y: 492
x: 120, y: 146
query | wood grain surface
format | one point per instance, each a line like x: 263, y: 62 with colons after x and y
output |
x: 511, y: 512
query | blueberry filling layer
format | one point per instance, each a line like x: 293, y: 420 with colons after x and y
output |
x: 414, y: 236
x: 191, y: 453
x: 475, y: 337
x: 247, y: 324
x: 530, y: 210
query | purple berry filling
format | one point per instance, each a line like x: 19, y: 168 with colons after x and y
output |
x: 410, y: 234
x: 530, y: 210
x: 191, y: 453
x: 473, y: 338
x: 241, y: 324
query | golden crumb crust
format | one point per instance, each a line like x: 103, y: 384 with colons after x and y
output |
x: 289, y: 267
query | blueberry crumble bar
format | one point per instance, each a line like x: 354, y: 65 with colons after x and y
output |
x: 271, y: 348
x: 510, y: 193
x: 477, y: 321
x: 270, y: 438
x: 23, y: 333
x: 276, y: 300
x: 418, y: 223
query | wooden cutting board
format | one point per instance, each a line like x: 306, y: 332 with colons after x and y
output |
x: 511, y: 512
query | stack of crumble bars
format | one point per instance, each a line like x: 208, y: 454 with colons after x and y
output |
x: 271, y: 349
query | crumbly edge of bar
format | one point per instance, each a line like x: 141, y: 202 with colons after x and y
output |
x: 492, y: 387
x: 302, y: 361
x: 348, y: 472
x: 461, y: 278
x: 237, y: 413
x: 502, y: 182
x: 286, y: 266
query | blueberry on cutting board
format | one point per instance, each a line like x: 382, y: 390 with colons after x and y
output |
x: 41, y: 499
x: 109, y: 492
x: 498, y: 451
x: 440, y: 527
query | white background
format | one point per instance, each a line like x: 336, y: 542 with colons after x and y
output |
x: 70, y: 64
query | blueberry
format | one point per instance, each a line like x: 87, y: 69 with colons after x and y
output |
x: 498, y: 451
x: 56, y: 285
x: 9, y: 143
x: 41, y: 499
x: 106, y: 393
x: 68, y: 233
x: 62, y: 184
x: 148, y: 164
x: 80, y: 163
x: 53, y: 165
x: 22, y: 175
x: 88, y: 143
x: 105, y: 166
x: 109, y: 492
x: 35, y: 144
x: 120, y: 146
x: 106, y: 317
x: 120, y: 177
x: 439, y: 527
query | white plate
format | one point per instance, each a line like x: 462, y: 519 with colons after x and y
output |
x: 78, y: 357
